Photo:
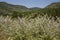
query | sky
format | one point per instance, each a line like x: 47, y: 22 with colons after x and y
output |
x: 31, y: 3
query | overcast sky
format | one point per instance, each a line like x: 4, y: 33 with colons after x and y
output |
x: 31, y: 3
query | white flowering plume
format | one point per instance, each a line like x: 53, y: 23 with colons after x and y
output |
x: 39, y: 28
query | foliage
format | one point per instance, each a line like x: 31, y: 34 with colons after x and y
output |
x: 22, y: 11
x: 39, y: 28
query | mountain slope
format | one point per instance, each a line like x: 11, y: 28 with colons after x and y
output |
x: 53, y: 9
x: 54, y: 5
x: 10, y: 7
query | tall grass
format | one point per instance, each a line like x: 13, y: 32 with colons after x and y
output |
x: 39, y: 28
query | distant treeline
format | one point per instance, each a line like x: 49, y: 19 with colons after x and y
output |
x: 49, y: 11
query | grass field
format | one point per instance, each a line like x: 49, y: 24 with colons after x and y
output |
x: 39, y: 28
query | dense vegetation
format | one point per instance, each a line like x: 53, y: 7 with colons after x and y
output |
x: 22, y: 11
x: 40, y: 28
x: 22, y: 23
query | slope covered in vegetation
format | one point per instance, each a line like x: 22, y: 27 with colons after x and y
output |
x: 9, y: 9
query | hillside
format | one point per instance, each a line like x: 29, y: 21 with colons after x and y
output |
x: 53, y: 9
x: 54, y: 5
x: 10, y: 9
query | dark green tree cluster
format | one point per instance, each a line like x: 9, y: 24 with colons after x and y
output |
x: 52, y: 12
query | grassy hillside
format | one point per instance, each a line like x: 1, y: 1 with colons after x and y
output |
x: 10, y: 7
x: 53, y: 9
x: 22, y: 11
x: 54, y: 5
